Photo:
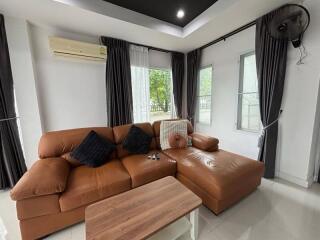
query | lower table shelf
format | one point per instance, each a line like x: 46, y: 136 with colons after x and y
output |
x: 179, y: 230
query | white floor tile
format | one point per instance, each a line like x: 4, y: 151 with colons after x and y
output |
x: 209, y: 217
x: 62, y: 235
x: 8, y: 217
x: 78, y: 232
x: 276, y: 211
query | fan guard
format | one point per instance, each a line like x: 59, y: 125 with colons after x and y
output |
x: 290, y: 22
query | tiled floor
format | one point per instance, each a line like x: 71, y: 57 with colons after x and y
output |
x: 276, y: 211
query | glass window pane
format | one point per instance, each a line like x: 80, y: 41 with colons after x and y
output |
x: 250, y: 83
x: 160, y: 94
x: 205, y: 81
x: 204, y: 95
x: 205, y: 109
x: 250, y: 113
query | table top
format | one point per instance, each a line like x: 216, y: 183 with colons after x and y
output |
x: 140, y: 212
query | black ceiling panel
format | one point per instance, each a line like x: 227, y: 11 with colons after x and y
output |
x: 166, y: 10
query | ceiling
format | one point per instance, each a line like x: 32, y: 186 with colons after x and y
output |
x: 166, y: 10
x: 96, y: 18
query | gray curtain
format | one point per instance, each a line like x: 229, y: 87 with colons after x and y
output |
x: 12, y: 162
x: 118, y: 82
x: 271, y: 59
x: 193, y: 68
x: 177, y: 64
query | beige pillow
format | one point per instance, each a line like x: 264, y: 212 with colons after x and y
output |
x: 168, y: 128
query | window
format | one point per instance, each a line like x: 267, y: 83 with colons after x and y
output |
x: 248, y: 101
x: 204, y: 95
x: 152, y: 97
x: 161, y: 99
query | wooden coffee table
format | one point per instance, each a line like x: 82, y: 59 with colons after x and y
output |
x: 142, y: 212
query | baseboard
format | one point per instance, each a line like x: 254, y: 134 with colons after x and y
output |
x: 299, y: 181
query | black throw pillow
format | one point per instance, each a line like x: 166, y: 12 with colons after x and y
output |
x: 94, y: 150
x: 137, y: 141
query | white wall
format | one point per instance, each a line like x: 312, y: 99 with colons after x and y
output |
x: 159, y: 59
x: 295, y: 159
x: 225, y: 57
x: 315, y: 149
x: 71, y: 93
x: 24, y: 84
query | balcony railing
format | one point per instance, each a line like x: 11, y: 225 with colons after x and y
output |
x: 159, y: 108
x: 204, y: 102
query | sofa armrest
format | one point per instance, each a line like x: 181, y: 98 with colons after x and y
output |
x: 204, y: 142
x: 45, y: 177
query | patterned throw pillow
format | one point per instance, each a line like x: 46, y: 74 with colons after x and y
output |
x: 137, y: 141
x: 177, y: 141
x: 168, y: 128
x: 94, y: 150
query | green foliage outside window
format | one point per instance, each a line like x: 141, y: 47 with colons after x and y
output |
x: 160, y: 89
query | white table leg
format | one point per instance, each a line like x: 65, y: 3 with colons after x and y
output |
x: 194, y: 221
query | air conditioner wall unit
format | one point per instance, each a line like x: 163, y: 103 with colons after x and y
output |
x: 75, y: 49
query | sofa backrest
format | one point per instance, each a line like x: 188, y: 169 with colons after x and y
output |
x: 61, y: 143
x: 120, y: 133
x: 156, y: 130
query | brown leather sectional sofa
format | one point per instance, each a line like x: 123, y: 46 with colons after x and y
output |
x: 54, y: 193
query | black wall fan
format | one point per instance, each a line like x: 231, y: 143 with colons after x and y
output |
x: 290, y: 22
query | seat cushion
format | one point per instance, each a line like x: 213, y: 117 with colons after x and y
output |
x: 87, y: 185
x: 220, y: 173
x: 144, y: 170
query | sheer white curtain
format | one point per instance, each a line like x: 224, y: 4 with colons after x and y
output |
x: 173, y: 108
x: 139, y: 60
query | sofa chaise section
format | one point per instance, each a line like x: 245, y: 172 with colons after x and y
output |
x: 218, y: 177
x: 225, y: 177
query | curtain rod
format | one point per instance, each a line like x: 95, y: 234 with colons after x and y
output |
x: 224, y: 37
x: 151, y: 48
x: 142, y: 45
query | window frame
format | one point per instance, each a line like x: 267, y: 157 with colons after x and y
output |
x: 240, y: 94
x: 197, y: 97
